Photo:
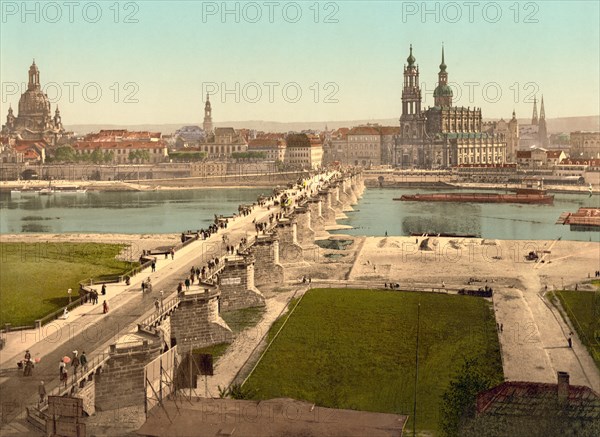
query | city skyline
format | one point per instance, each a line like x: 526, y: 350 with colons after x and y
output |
x: 174, y: 55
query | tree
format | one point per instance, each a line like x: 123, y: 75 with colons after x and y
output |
x: 97, y: 156
x: 459, y: 400
x: 64, y: 154
x: 109, y: 157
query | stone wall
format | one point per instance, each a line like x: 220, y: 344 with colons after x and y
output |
x: 236, y: 282
x: 267, y: 269
x: 121, y: 383
x: 88, y: 394
x: 197, y: 322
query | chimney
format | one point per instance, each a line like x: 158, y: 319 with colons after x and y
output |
x: 563, y: 386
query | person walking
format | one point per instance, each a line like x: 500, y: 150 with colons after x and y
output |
x: 103, y: 290
x: 83, y: 361
x: 187, y: 284
x: 154, y: 265
x: 156, y: 305
x: 75, y: 362
x: 28, y: 368
x: 104, y: 307
x: 62, y: 370
x: 42, y: 392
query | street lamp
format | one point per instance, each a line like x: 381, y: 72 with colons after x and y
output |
x: 69, y: 291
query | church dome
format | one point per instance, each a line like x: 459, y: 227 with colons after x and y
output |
x: 442, y: 90
x: 34, y: 102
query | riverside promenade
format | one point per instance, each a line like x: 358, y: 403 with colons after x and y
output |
x: 88, y: 329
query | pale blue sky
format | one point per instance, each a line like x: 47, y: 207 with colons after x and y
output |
x: 172, y: 50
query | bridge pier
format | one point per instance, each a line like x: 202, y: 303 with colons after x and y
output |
x: 317, y: 221
x: 122, y: 383
x: 289, y: 249
x: 304, y: 232
x: 196, y: 322
x: 236, y: 282
x: 326, y: 210
x: 267, y: 269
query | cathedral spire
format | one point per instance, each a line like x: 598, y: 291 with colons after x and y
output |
x: 534, y: 117
x: 442, y: 95
x: 443, y: 64
x: 411, y: 59
x: 542, y: 111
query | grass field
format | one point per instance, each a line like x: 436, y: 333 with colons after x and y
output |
x: 583, y: 309
x: 34, y: 278
x: 356, y: 349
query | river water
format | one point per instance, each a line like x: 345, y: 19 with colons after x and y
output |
x: 159, y: 212
x: 377, y: 213
x: 149, y: 212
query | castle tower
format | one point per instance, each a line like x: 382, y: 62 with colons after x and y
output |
x: 208, y: 124
x: 443, y: 93
x: 534, y: 117
x: 542, y: 129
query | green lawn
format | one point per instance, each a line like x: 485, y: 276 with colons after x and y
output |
x: 34, y: 278
x: 583, y: 308
x: 356, y: 349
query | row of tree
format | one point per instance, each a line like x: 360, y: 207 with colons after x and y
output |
x: 68, y: 154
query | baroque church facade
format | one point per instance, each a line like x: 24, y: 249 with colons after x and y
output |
x: 34, y: 121
x: 444, y: 135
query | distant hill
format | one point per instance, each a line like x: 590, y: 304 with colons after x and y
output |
x: 555, y: 125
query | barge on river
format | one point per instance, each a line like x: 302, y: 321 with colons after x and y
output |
x: 527, y: 198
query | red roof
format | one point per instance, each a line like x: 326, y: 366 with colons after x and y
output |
x: 582, y: 161
x: 531, y: 398
x: 363, y: 130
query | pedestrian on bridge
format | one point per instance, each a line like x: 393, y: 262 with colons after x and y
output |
x: 83, y: 361
x: 156, y: 305
x: 42, y: 392
x: 104, y: 307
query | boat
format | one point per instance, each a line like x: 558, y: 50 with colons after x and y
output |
x: 542, y: 199
x: 46, y: 191
x: 69, y: 189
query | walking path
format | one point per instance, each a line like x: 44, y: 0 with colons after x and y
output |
x: 534, y: 335
x: 87, y: 329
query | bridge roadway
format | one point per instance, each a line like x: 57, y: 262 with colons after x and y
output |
x: 19, y: 392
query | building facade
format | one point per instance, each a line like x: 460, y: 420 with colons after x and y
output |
x: 585, y: 145
x: 443, y: 135
x: 304, y: 151
x: 34, y: 121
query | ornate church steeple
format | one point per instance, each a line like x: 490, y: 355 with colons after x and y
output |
x: 542, y: 128
x: 412, y: 120
x: 207, y: 125
x: 443, y: 93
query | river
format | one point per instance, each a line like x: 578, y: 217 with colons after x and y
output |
x: 159, y: 212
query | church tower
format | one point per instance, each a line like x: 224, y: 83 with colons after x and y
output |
x: 542, y: 129
x: 208, y: 124
x: 412, y: 120
x: 534, y: 117
x: 443, y: 93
